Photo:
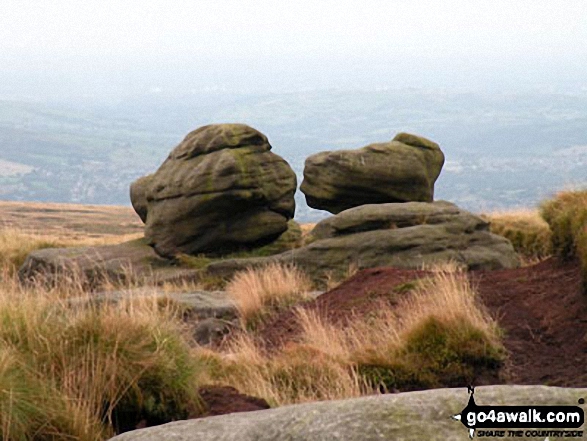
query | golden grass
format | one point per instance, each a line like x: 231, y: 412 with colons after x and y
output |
x: 449, y: 297
x: 298, y: 374
x: 16, y: 244
x: 440, y: 335
x: 69, y: 371
x: 256, y: 292
x: 334, y: 279
x: 567, y: 216
x: 401, y: 343
x: 528, y: 232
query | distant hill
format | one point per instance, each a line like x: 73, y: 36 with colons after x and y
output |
x: 502, y: 151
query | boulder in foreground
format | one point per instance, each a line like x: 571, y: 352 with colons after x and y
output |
x: 402, y: 170
x: 424, y: 415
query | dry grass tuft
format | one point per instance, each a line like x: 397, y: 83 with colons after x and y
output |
x: 526, y: 230
x: 440, y: 335
x: 258, y: 292
x: 332, y: 279
x: 298, y: 374
x: 78, y: 370
x: 567, y: 216
x: 71, y: 370
x: 448, y: 297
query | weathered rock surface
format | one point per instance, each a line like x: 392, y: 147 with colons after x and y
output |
x: 424, y: 415
x: 402, y: 170
x: 213, y: 330
x: 402, y: 235
x: 138, y: 196
x: 198, y: 305
x: 220, y: 190
x: 91, y: 266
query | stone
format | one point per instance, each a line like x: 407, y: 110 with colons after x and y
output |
x: 213, y: 330
x: 402, y: 170
x: 423, y: 415
x: 92, y: 266
x: 220, y: 190
x: 194, y: 305
x: 402, y: 235
x: 138, y: 196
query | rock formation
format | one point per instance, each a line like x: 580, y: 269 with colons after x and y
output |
x: 402, y: 170
x: 92, y: 266
x: 220, y: 190
x: 403, y: 235
x: 138, y: 196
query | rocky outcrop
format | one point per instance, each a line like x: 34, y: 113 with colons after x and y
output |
x: 402, y: 235
x: 92, y: 266
x: 402, y: 170
x: 220, y: 190
x: 425, y: 415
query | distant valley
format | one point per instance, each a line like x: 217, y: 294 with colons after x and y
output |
x: 502, y: 150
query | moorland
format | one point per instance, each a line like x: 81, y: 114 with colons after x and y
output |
x: 71, y: 372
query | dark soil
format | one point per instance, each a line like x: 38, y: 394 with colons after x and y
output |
x: 216, y: 400
x: 543, y: 312
x: 220, y: 400
x: 358, y: 296
x: 540, y: 308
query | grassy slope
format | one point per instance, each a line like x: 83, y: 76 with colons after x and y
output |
x: 442, y: 330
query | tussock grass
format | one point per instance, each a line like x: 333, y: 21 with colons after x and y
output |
x: 257, y: 292
x: 528, y: 232
x: 70, y: 372
x: 567, y: 216
x: 440, y: 335
x: 299, y: 373
x: 334, y: 279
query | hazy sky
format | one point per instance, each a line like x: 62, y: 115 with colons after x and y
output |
x: 107, y: 47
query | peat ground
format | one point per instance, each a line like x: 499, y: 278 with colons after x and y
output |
x: 540, y: 308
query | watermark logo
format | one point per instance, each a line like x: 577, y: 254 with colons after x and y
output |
x: 521, y: 421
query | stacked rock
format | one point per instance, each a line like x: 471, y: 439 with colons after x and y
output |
x: 222, y: 189
x: 402, y: 170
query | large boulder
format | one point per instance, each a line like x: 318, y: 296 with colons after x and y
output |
x: 402, y: 235
x: 220, y: 190
x: 402, y: 170
x: 425, y: 415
